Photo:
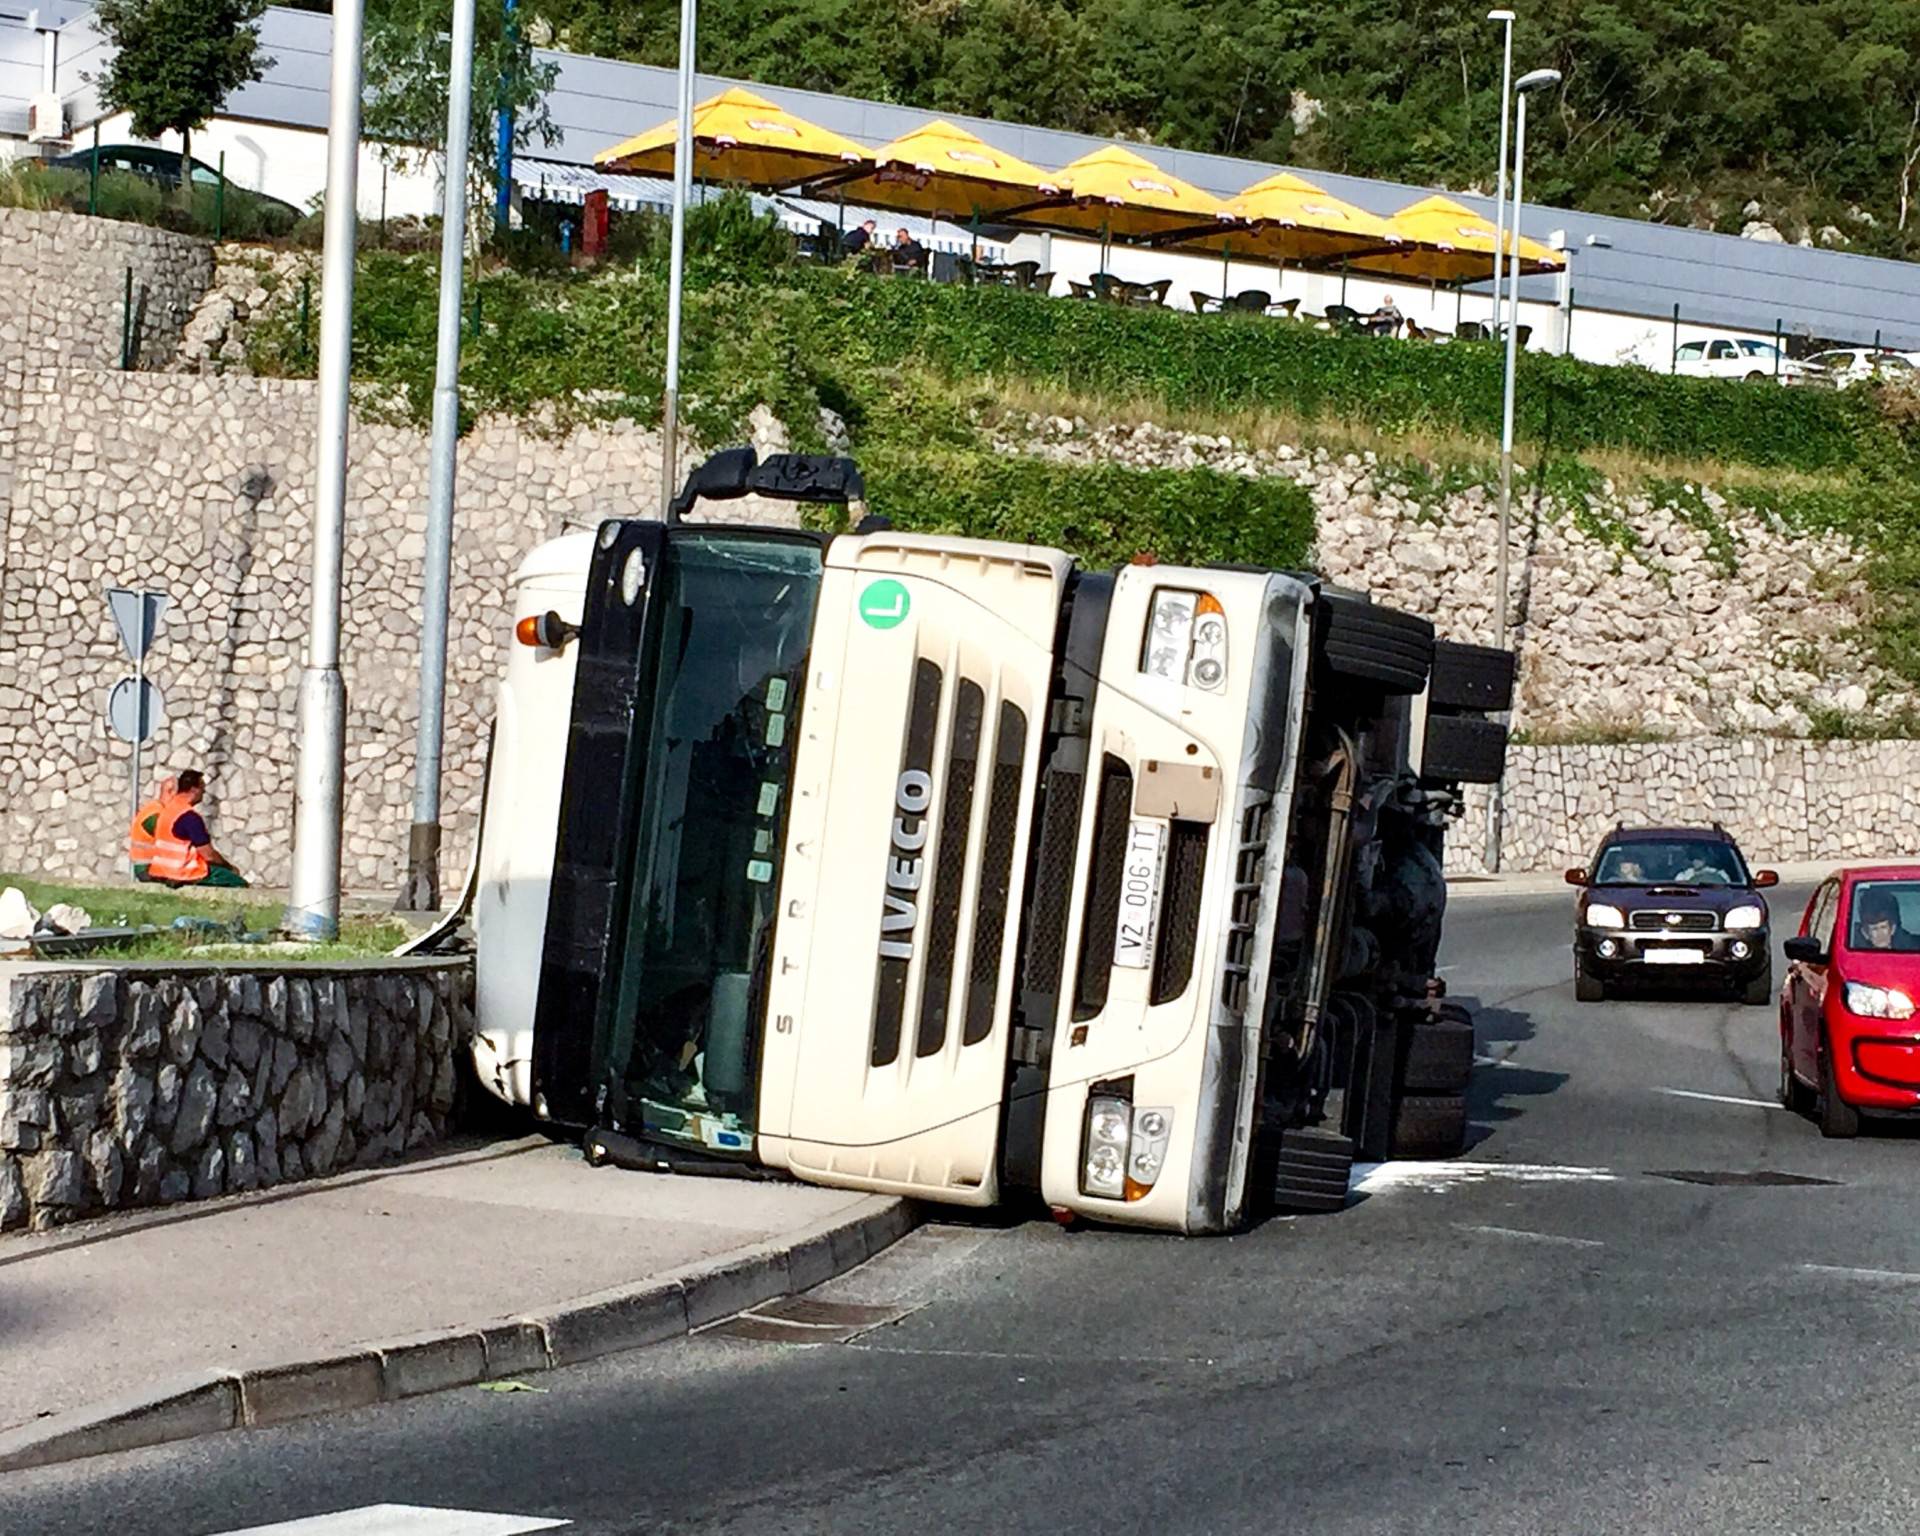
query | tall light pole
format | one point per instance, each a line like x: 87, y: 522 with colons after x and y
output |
x: 313, y: 895
x: 1505, y: 18
x: 1538, y: 79
x: 682, y: 192
x: 421, y: 892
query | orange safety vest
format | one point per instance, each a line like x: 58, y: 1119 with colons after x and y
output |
x: 174, y: 858
x: 140, y: 839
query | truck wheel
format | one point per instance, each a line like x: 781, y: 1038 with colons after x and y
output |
x: 1759, y: 992
x: 1462, y: 749
x: 1313, y: 1171
x: 1587, y: 988
x: 1440, y: 1057
x: 1430, y: 1125
x: 1839, y: 1120
x: 1368, y: 643
x: 1475, y: 677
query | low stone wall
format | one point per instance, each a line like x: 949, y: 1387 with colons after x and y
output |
x: 1786, y: 801
x: 135, y: 1086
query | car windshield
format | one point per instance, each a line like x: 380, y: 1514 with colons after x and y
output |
x: 1886, y: 917
x: 1670, y: 861
x: 735, y: 614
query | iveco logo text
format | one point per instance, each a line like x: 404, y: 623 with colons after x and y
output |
x: 911, y: 797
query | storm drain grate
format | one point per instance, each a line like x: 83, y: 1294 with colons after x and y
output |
x: 1768, y: 1177
x: 805, y: 1321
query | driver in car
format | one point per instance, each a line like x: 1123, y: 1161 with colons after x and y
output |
x: 1877, y: 925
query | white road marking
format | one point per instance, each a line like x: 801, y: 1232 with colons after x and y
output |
x: 1371, y: 1178
x: 404, y: 1520
x: 1718, y: 1098
x: 1495, y: 1061
x: 1899, y: 1276
x: 1537, y: 1237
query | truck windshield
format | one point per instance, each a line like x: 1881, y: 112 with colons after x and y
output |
x: 735, y: 612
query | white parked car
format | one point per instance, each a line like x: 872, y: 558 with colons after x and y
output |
x: 1855, y: 365
x: 1730, y: 357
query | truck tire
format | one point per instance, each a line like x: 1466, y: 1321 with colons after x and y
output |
x: 1313, y: 1171
x: 1430, y: 1125
x: 1462, y: 749
x: 1439, y: 1058
x: 1475, y: 677
x: 1364, y: 642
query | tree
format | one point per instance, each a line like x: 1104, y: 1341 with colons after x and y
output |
x: 407, y: 61
x: 175, y: 62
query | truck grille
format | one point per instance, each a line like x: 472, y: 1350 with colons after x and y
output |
x: 1181, y: 891
x: 1249, y: 868
x: 890, y: 992
x: 1674, y: 922
x: 996, y: 875
x: 1110, y: 827
x: 950, y: 868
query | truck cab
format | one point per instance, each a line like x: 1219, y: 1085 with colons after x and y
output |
x: 948, y: 868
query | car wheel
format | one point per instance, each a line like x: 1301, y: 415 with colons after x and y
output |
x: 1838, y: 1118
x: 1759, y: 992
x: 1794, y: 1094
x: 1587, y: 988
x: 1756, y: 374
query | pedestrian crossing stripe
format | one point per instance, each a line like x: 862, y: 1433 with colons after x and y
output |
x: 404, y: 1520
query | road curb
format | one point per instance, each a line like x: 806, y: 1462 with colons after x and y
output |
x: 652, y: 1311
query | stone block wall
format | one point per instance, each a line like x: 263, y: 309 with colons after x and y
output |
x: 201, y: 486
x: 1786, y: 801
x: 134, y: 1087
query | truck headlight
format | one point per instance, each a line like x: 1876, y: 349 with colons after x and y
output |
x: 1600, y: 915
x: 1109, y: 1134
x: 1187, y: 639
x: 1878, y: 1002
x: 1152, y: 1129
x: 1743, y: 918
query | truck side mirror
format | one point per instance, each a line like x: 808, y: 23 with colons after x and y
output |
x: 1765, y: 879
x: 1805, y: 949
x: 723, y: 477
x: 1576, y: 877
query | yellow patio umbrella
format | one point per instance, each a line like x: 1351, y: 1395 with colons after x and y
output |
x: 1288, y: 219
x: 943, y: 170
x: 1445, y: 242
x: 739, y: 137
x: 1119, y: 195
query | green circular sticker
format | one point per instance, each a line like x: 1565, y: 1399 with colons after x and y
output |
x: 884, y: 604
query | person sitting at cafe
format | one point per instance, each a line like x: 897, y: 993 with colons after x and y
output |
x: 1387, y: 319
x: 859, y: 237
x: 908, y: 253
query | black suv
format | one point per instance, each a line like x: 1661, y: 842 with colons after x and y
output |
x: 1672, y: 902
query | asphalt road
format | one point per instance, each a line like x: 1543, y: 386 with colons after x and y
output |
x: 1560, y: 1337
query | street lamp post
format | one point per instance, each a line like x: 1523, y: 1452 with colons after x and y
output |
x: 313, y: 893
x: 1538, y: 79
x: 676, y: 267
x: 1505, y: 18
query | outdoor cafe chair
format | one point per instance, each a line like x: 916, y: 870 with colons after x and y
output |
x: 1472, y: 330
x: 1342, y: 317
x: 1255, y: 301
x: 1286, y: 307
x: 1145, y: 295
x: 1041, y: 282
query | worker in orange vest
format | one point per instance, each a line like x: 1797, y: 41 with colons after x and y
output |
x: 183, y: 851
x: 146, y: 826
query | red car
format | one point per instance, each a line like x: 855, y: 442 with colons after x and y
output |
x: 1850, y: 1008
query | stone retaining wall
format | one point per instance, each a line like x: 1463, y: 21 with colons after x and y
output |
x: 136, y: 1087
x: 1786, y: 801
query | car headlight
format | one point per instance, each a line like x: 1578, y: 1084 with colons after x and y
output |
x: 1878, y: 1002
x: 1187, y: 640
x: 1109, y: 1133
x: 1746, y: 917
x: 1600, y: 915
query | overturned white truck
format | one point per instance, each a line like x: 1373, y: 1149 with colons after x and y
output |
x: 948, y: 868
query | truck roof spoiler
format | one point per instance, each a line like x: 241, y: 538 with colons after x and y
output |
x: 736, y: 472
